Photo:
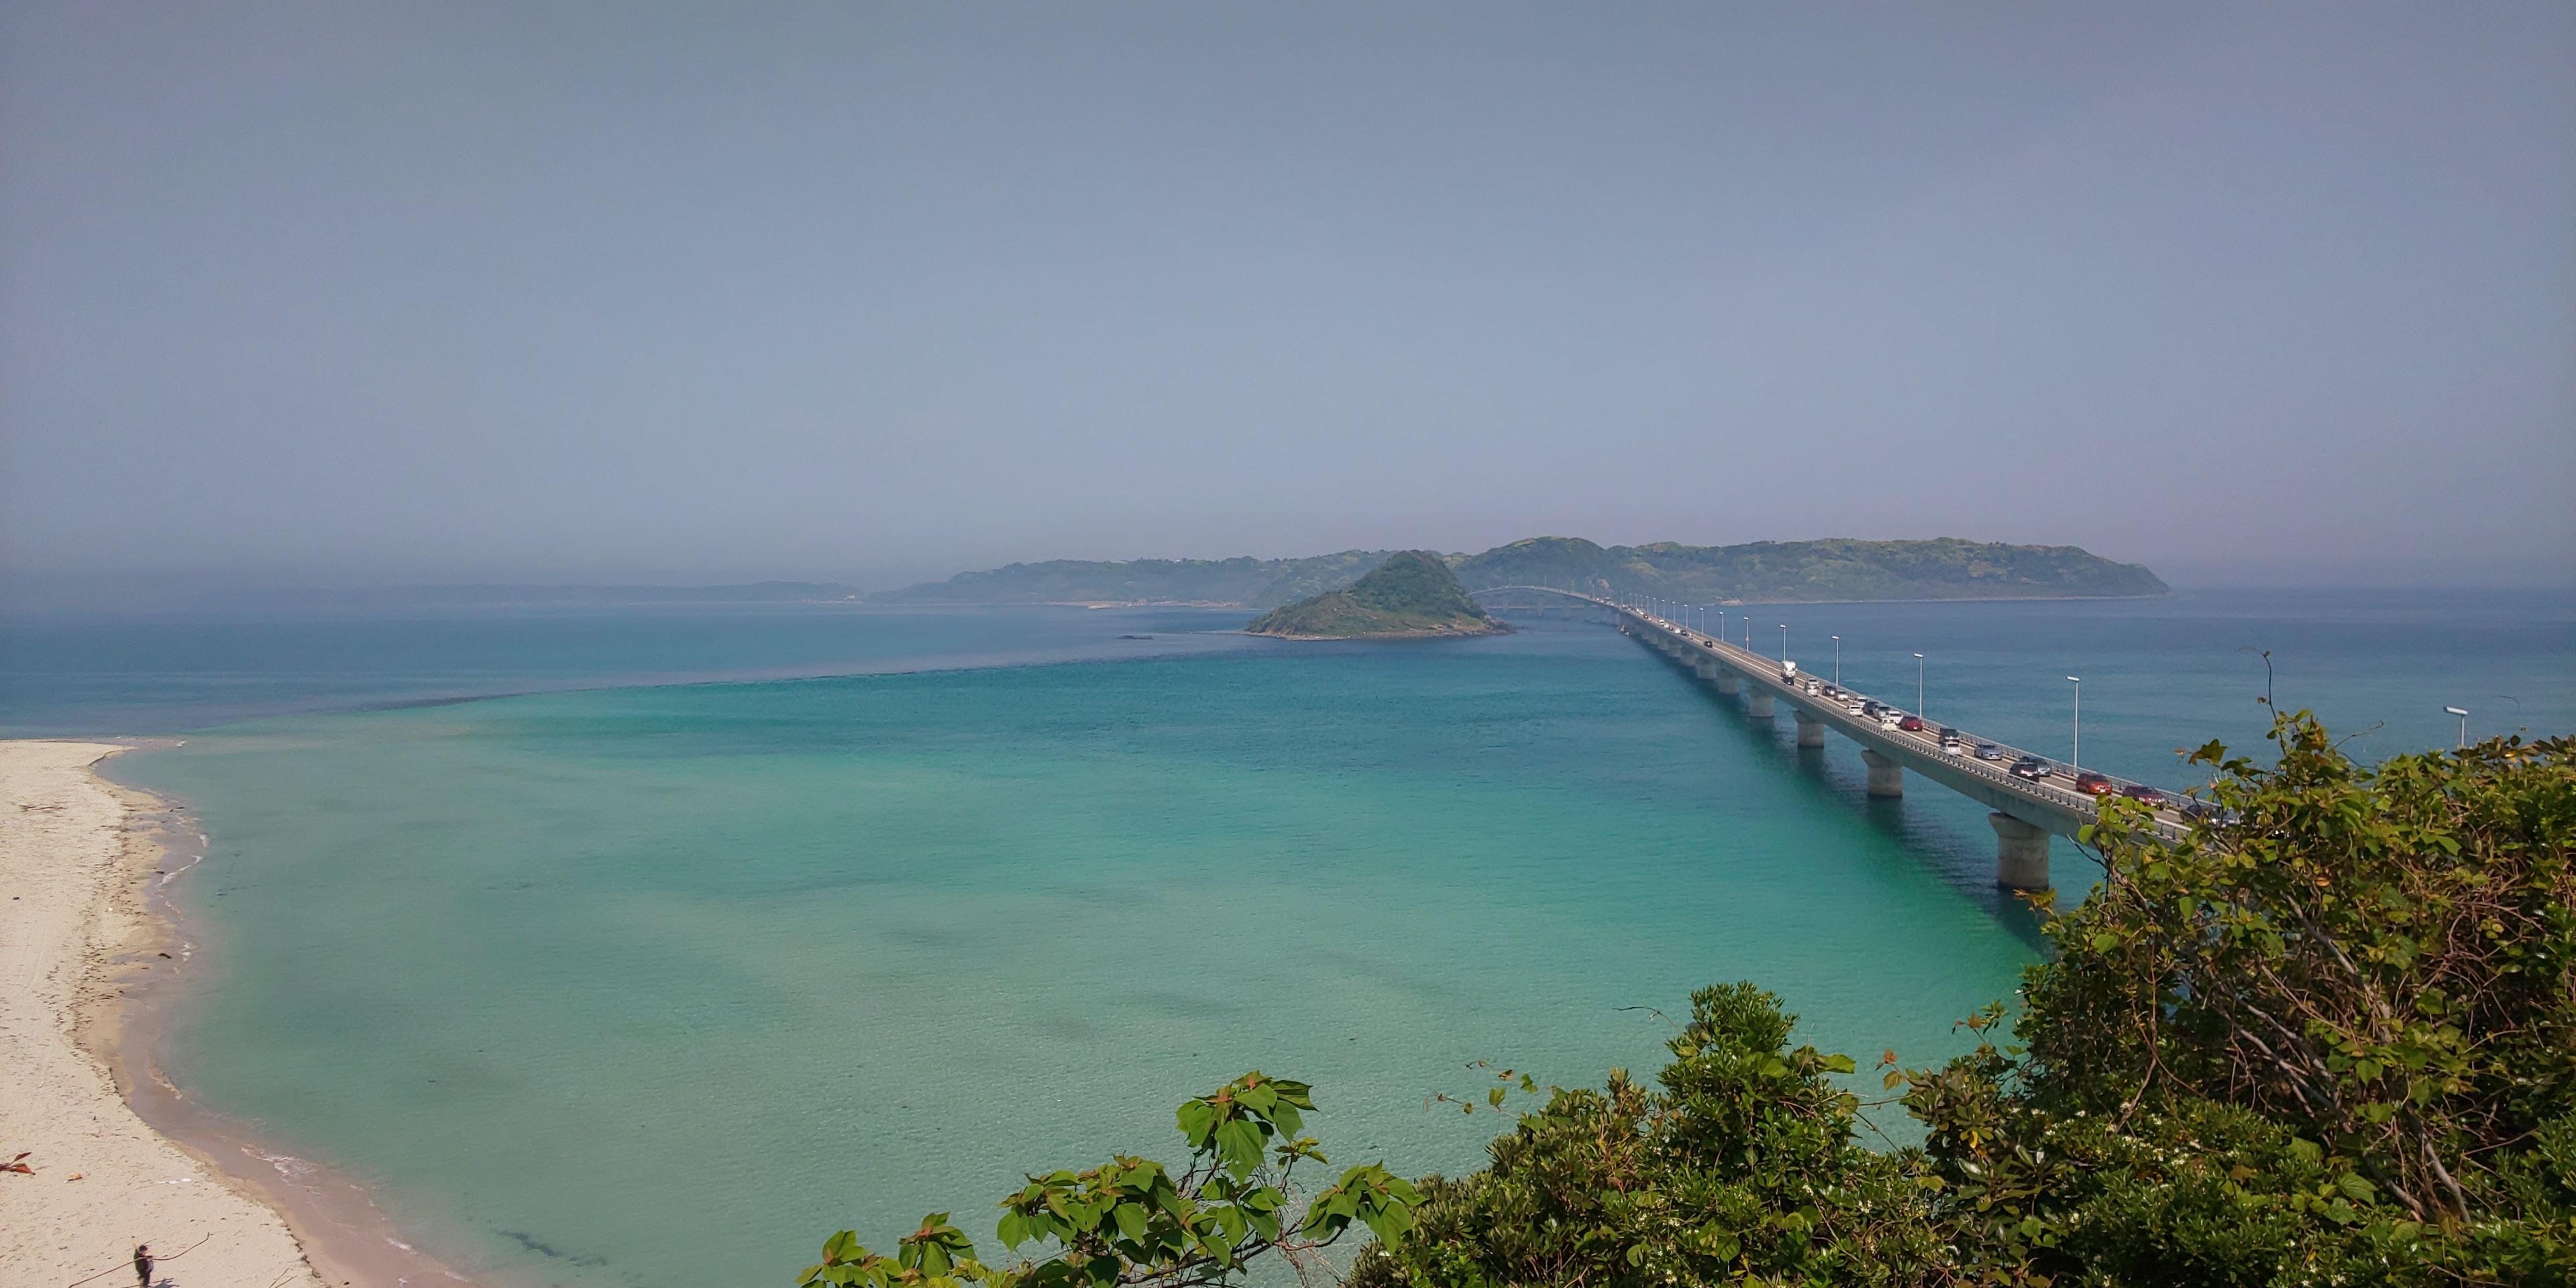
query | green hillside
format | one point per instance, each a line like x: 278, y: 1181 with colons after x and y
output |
x: 1785, y: 571
x: 1412, y: 593
x: 1243, y: 581
x: 1944, y: 568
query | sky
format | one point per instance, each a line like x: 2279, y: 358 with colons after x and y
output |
x: 351, y: 293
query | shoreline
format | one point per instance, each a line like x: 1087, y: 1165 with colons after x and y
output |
x: 122, y: 1153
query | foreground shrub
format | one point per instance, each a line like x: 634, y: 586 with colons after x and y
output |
x: 1742, y: 1164
x: 2332, y: 1039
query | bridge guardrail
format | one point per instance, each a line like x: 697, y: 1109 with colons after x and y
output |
x: 1766, y: 671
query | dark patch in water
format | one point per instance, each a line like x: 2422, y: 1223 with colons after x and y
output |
x: 414, y: 704
x: 534, y: 1244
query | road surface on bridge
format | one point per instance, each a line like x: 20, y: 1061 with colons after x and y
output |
x: 2026, y: 810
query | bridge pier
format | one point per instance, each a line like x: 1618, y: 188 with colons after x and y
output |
x: 1705, y: 667
x: 2021, y: 853
x: 1759, y: 703
x: 1811, y: 729
x: 1728, y: 682
x: 1886, y: 777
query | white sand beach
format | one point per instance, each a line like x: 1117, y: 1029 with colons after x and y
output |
x: 74, y: 933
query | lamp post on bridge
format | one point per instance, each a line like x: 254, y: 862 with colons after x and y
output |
x: 2075, y: 760
x: 2464, y: 724
x: 1784, y: 645
x: 1918, y: 684
x: 1838, y: 661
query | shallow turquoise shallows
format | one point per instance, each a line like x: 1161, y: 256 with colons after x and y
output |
x: 658, y: 986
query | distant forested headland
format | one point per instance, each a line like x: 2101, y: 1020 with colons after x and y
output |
x: 1764, y: 571
x: 1230, y: 583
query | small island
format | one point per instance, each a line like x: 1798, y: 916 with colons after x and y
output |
x: 1413, y: 595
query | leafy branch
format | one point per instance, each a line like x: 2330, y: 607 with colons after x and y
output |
x: 1134, y: 1221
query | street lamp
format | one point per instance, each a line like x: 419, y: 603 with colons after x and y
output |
x: 1918, y: 684
x: 1784, y: 644
x: 1838, y: 661
x: 2076, y: 759
x: 2464, y: 725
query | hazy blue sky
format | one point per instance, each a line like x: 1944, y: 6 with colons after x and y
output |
x: 862, y: 290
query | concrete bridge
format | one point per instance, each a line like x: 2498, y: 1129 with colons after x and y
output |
x: 2025, y: 813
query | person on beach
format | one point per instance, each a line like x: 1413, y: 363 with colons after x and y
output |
x: 143, y: 1265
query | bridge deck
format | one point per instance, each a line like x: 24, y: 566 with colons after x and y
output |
x: 2054, y: 806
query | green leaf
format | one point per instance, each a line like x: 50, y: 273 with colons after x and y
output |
x: 1197, y: 1118
x: 1238, y: 1145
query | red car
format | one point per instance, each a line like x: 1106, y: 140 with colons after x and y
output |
x: 2093, y: 784
x: 1911, y: 724
x: 2142, y: 792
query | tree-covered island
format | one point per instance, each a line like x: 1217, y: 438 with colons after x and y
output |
x: 1412, y: 595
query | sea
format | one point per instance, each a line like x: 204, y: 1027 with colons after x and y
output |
x: 649, y: 946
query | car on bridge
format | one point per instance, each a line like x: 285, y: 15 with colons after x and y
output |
x: 1951, y: 742
x: 2093, y: 784
x: 1911, y: 724
x: 2201, y: 811
x: 2142, y: 792
x: 1989, y: 751
x: 2030, y: 767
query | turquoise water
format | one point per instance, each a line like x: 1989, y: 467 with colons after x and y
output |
x: 659, y: 985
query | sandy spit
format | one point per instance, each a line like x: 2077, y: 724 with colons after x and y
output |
x: 76, y: 935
